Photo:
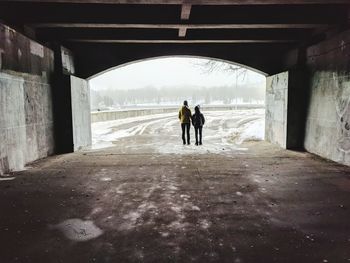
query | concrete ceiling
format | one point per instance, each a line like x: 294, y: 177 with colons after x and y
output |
x: 256, y: 24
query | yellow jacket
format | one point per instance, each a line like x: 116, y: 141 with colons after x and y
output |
x: 185, y: 115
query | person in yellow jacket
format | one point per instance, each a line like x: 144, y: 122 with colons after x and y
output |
x: 185, y: 119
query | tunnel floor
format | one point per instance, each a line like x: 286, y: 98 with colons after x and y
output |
x: 263, y: 205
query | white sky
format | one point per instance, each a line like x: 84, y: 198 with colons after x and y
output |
x: 171, y: 71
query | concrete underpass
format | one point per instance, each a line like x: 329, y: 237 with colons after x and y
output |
x: 147, y: 198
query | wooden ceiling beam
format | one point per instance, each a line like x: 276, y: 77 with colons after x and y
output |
x: 161, y: 41
x: 182, y: 31
x: 185, y: 11
x: 178, y: 26
x: 191, y: 2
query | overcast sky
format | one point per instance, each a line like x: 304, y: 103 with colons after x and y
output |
x: 175, y: 71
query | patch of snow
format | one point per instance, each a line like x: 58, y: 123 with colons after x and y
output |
x: 223, y: 132
x: 176, y: 225
x: 204, y: 223
x: 106, y: 179
x: 7, y: 178
x: 176, y: 209
x: 134, y: 219
x: 78, y: 230
x: 119, y: 191
x: 254, y: 131
x: 172, y: 187
x: 95, y: 211
x: 195, y: 208
x: 164, y: 234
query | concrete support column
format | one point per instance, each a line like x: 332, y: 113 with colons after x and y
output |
x: 71, y: 105
x: 276, y: 109
x: 286, y: 101
x: 81, y: 112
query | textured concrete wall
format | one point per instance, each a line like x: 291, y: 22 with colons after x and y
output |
x: 276, y: 109
x: 26, y: 113
x: 328, y: 120
x: 81, y: 117
x: 20, y: 54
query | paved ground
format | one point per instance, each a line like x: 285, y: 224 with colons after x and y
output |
x: 151, y: 199
x: 262, y: 205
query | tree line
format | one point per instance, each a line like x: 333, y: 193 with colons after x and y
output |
x: 175, y: 95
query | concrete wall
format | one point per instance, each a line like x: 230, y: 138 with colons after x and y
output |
x: 99, y: 116
x: 81, y: 117
x: 276, y: 109
x: 71, y: 104
x: 328, y: 120
x: 26, y: 108
x: 286, y: 104
x: 323, y: 90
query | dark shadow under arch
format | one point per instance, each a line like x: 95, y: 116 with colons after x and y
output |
x: 89, y: 63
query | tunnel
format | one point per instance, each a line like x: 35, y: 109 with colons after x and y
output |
x: 281, y: 199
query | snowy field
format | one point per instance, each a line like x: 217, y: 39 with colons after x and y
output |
x: 223, y: 132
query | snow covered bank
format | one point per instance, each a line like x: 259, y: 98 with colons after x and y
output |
x: 223, y: 132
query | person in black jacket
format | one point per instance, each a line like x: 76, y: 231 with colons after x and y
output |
x: 198, y: 122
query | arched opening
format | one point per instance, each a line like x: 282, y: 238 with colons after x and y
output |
x: 177, y: 56
x: 135, y: 106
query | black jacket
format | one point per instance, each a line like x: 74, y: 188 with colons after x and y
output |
x: 198, y: 120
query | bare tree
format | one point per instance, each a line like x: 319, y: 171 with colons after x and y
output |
x: 210, y: 66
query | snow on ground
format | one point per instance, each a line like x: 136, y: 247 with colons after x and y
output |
x: 224, y: 131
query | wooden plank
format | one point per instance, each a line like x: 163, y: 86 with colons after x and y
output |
x: 209, y: 41
x: 191, y: 2
x: 182, y: 31
x: 177, y: 26
x: 185, y: 11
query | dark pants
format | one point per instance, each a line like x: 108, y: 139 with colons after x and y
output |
x: 196, y: 131
x: 186, y: 126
